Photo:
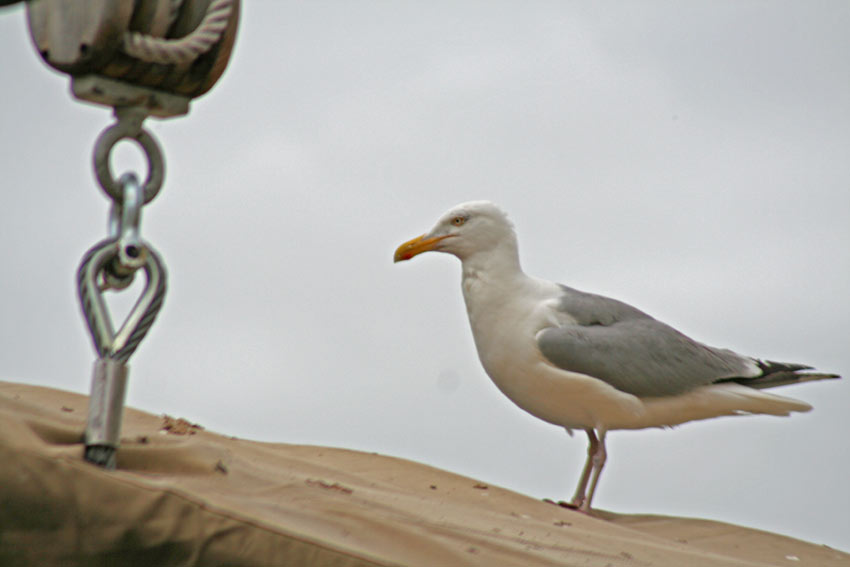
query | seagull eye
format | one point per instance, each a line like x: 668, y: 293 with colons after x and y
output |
x: 457, y: 221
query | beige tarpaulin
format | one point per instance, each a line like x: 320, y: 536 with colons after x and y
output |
x: 185, y: 496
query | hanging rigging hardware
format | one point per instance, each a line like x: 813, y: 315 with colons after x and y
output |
x: 142, y: 58
x: 112, y: 265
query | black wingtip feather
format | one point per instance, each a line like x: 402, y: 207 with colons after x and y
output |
x: 770, y: 367
x: 780, y: 374
x: 782, y: 378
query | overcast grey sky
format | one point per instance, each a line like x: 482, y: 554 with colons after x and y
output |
x: 690, y: 158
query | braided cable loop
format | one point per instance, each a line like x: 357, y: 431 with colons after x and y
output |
x: 185, y: 49
x: 109, y: 344
x: 91, y: 300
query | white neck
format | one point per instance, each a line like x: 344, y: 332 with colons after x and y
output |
x: 489, y: 276
x: 497, y: 263
x: 493, y: 290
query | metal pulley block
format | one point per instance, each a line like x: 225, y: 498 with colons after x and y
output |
x: 151, y: 54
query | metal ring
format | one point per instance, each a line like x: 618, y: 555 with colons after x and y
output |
x: 103, y: 147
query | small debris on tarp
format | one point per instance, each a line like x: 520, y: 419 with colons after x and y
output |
x: 328, y: 486
x: 179, y: 426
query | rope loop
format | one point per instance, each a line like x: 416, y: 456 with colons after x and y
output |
x: 186, y: 49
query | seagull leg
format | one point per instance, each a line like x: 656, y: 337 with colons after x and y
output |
x: 581, y: 489
x: 599, y: 457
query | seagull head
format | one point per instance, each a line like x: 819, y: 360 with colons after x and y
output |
x: 466, y: 229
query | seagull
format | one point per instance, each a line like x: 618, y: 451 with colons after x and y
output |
x: 584, y: 361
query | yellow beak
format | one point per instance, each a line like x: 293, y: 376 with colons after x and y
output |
x: 416, y: 246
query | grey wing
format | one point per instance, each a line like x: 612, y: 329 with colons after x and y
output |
x: 633, y: 352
